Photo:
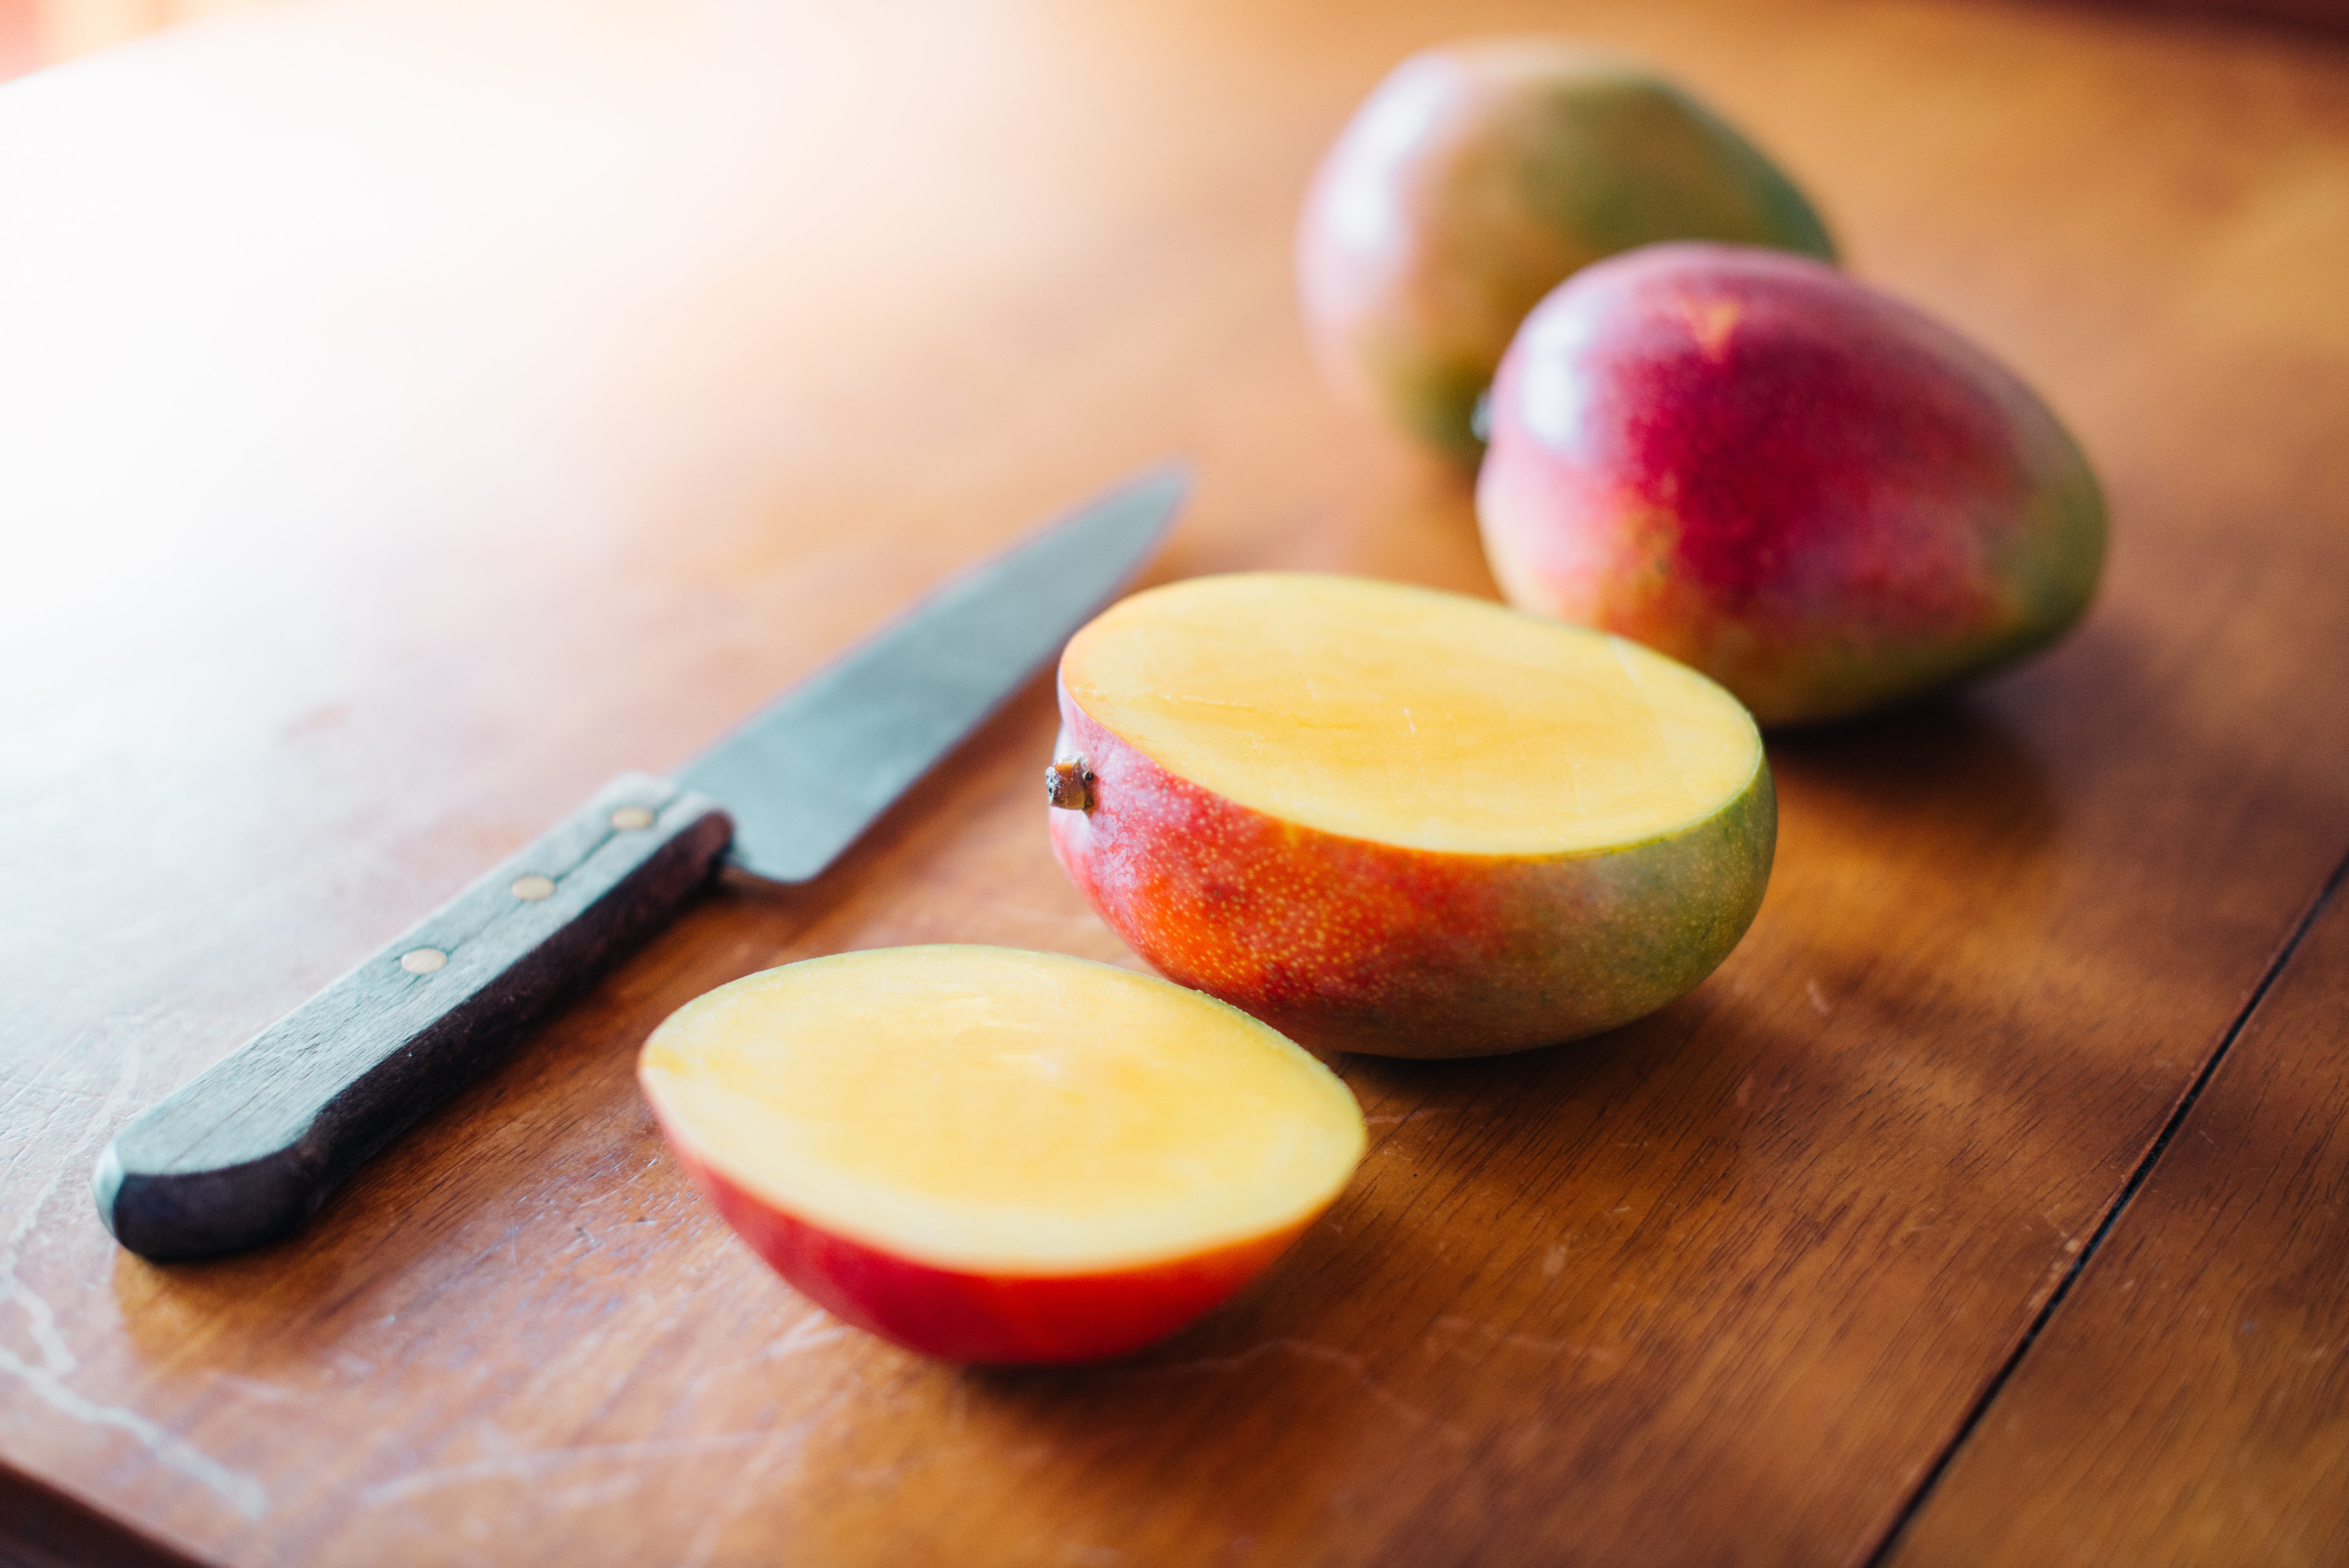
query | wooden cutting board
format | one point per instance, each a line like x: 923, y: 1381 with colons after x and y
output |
x: 412, y: 415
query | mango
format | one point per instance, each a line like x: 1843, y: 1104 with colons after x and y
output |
x: 988, y: 1155
x: 1479, y: 175
x: 1388, y: 819
x: 1811, y: 491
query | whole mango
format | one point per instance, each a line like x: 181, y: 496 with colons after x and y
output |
x: 1479, y: 175
x: 1815, y: 493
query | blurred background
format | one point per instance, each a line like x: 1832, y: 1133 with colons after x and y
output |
x: 36, y: 32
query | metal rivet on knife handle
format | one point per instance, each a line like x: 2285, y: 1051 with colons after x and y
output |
x: 632, y: 819
x: 533, y: 887
x: 423, y: 960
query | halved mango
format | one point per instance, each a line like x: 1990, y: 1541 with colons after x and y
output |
x: 1396, y: 821
x: 999, y: 1156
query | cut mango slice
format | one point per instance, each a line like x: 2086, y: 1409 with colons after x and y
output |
x: 1000, y: 1155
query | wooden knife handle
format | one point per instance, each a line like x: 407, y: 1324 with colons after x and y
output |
x: 248, y: 1149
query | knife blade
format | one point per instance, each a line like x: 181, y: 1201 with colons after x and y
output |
x: 247, y: 1150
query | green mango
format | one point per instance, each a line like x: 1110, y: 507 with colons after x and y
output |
x: 1480, y: 175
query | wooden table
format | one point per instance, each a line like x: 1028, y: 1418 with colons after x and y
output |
x: 411, y: 415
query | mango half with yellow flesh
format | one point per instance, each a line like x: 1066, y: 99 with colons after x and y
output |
x: 1479, y: 175
x: 1814, y: 492
x: 1389, y: 819
x: 989, y: 1155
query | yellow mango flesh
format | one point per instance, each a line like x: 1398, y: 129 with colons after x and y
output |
x: 1413, y: 718
x: 1003, y: 1112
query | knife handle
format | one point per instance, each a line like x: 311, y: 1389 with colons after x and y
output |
x: 246, y: 1152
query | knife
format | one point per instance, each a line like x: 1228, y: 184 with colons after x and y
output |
x: 249, y: 1149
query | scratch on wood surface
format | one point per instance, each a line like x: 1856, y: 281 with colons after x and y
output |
x: 1394, y: 1119
x: 1312, y: 1350
x: 886, y: 1478
x: 254, y: 1388
x: 1494, y: 1338
x: 747, y: 1483
x: 816, y: 1328
x: 611, y: 1488
x: 60, y: 1111
x: 530, y: 1464
x: 56, y: 1362
x: 243, y: 1493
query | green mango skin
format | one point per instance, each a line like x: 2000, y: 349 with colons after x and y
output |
x: 1477, y: 177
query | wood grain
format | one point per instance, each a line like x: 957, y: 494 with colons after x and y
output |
x: 2187, y: 1404
x: 415, y: 414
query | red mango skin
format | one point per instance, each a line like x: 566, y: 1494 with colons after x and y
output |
x: 1001, y: 1320
x: 1479, y: 174
x: 1344, y: 944
x: 1811, y: 492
